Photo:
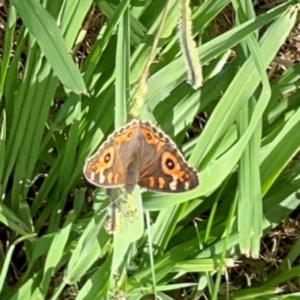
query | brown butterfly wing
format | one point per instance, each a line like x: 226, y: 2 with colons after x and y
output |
x: 108, y: 166
x: 103, y: 168
x: 167, y: 170
x: 169, y: 173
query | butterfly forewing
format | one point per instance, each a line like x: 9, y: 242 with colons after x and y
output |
x: 106, y: 168
x: 168, y: 171
x: 170, y: 174
x: 99, y: 171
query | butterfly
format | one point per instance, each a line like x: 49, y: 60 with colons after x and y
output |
x: 139, y: 153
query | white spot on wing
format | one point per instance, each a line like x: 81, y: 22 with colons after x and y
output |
x: 101, y: 177
x: 186, y: 185
x: 173, y: 185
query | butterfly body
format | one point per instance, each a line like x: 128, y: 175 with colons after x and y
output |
x: 139, y: 153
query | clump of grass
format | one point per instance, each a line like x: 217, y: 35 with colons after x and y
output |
x: 55, y: 111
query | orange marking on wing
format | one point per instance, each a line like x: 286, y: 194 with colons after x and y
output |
x: 171, y: 166
x: 161, y: 182
x: 125, y: 136
x: 110, y: 177
x: 151, y: 182
x: 95, y: 167
x: 116, y: 177
x: 181, y: 176
x: 152, y: 138
x: 169, y: 163
x: 105, y: 161
x: 159, y: 145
